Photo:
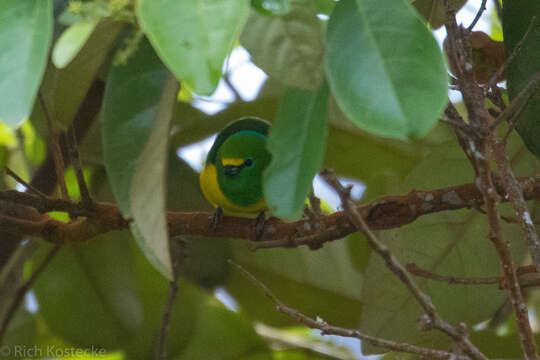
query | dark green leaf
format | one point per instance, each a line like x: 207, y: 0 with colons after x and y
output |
x: 322, y: 283
x: 138, y: 100
x: 289, y: 48
x: 25, y: 35
x: 446, y: 243
x: 517, y: 16
x: 108, y: 285
x: 64, y: 89
x: 297, y: 143
x: 193, y: 37
x: 384, y: 67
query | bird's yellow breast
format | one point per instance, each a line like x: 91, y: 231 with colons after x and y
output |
x: 212, y: 192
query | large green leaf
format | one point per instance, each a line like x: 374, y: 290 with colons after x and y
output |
x: 109, y: 287
x: 289, y: 48
x: 297, y: 143
x: 384, y: 67
x: 447, y: 243
x: 138, y: 102
x: 25, y: 35
x: 193, y: 37
x: 148, y: 188
x: 517, y: 16
x: 322, y: 283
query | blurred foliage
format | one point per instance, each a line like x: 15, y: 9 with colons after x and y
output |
x: 105, y: 295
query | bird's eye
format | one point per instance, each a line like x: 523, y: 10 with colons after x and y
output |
x: 248, y: 162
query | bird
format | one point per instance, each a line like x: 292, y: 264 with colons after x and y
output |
x: 232, y: 177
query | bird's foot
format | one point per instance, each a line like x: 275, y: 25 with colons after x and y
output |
x: 217, y: 216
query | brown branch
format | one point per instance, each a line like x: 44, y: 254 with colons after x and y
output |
x: 327, y: 329
x: 452, y: 280
x: 385, y: 213
x: 515, y: 196
x: 434, y: 321
x: 21, y: 292
x: 459, y: 51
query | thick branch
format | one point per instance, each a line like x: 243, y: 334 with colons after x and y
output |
x: 385, y: 213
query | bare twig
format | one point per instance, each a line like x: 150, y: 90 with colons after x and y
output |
x: 18, y: 179
x: 76, y: 162
x: 435, y: 321
x: 478, y: 15
x: 491, y: 280
x: 21, y: 292
x: 177, y: 254
x: 54, y: 149
x: 327, y: 329
x: 528, y: 343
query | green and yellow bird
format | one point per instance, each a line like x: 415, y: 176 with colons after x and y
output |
x: 232, y: 176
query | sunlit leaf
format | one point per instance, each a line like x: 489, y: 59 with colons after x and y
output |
x: 71, y: 41
x: 25, y: 34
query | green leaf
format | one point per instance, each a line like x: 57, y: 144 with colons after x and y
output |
x: 25, y: 35
x: 123, y: 299
x: 273, y: 7
x: 322, y: 283
x: 445, y: 243
x: 517, y: 16
x: 138, y: 101
x: 297, y: 143
x: 71, y: 42
x: 148, y: 188
x: 384, y: 68
x: 193, y: 37
x: 64, y: 89
x: 289, y: 48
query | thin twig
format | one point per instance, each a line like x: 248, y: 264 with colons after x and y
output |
x: 76, y: 162
x: 54, y: 148
x: 515, y: 195
x: 502, y: 247
x: 452, y: 280
x: 177, y: 254
x: 417, y: 271
x: 327, y: 329
x: 434, y: 320
x: 21, y: 292
x: 18, y: 179
x: 478, y: 15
